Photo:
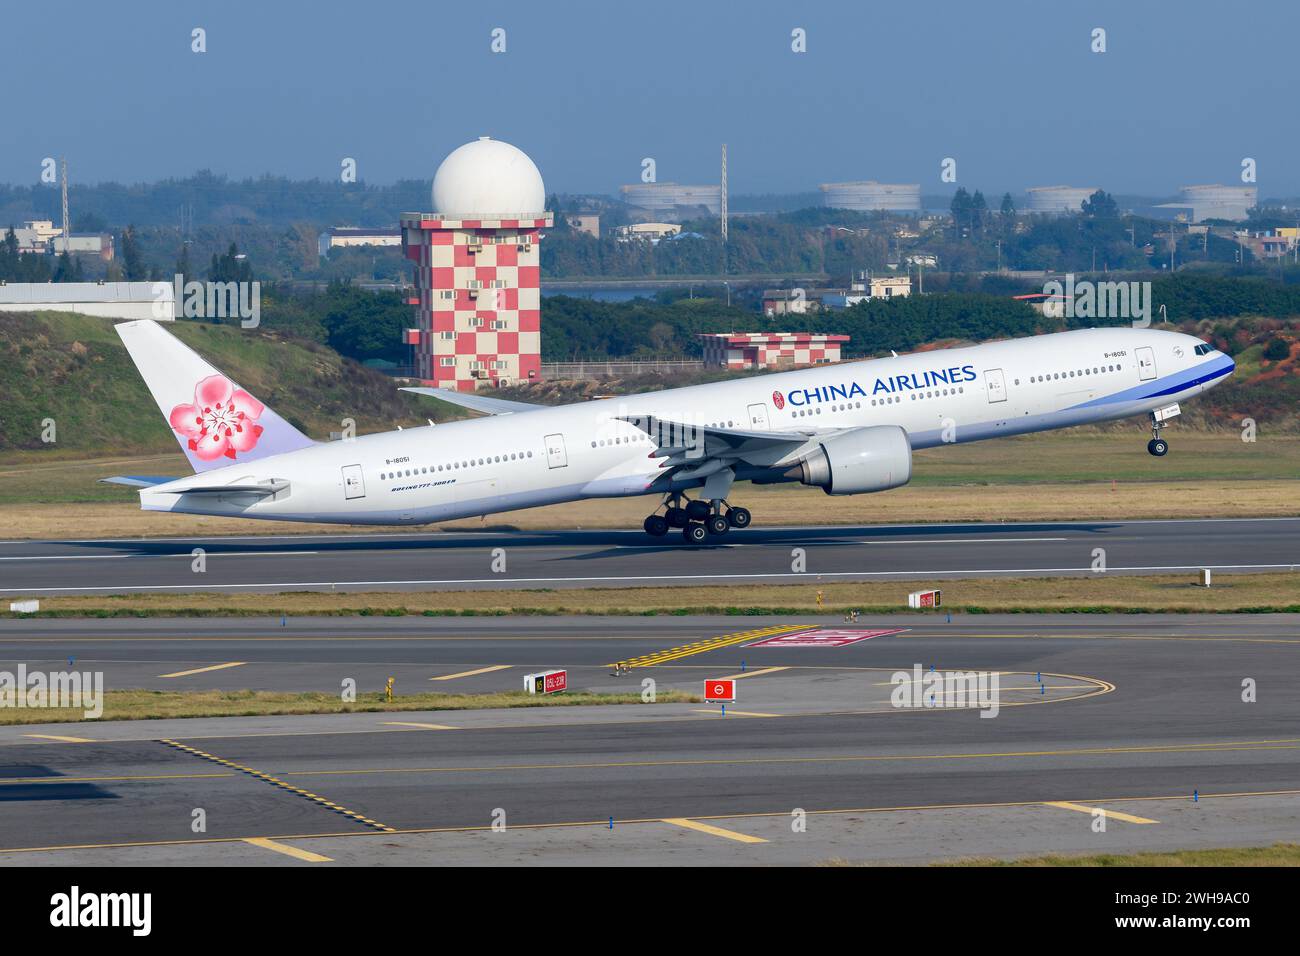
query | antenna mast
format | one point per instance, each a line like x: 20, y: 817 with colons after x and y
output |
x: 67, y: 232
x: 724, y: 192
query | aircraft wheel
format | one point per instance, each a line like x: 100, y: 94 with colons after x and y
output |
x: 656, y: 525
x: 694, y: 533
x: 677, y: 518
x: 1158, y: 447
x: 739, y: 517
x: 697, y: 510
x: 717, y: 524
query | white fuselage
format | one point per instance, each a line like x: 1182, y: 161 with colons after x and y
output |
x: 486, y: 465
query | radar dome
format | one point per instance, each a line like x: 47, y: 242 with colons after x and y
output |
x: 488, y: 176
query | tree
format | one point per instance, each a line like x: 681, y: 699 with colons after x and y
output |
x: 1277, y: 350
x: 1100, y: 205
x: 133, y: 268
x: 1008, y: 210
x: 961, y: 211
x: 979, y: 210
x: 232, y: 267
x: 183, y: 267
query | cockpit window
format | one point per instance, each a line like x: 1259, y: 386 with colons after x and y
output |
x: 1204, y: 349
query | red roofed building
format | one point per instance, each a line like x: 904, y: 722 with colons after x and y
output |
x: 743, y: 350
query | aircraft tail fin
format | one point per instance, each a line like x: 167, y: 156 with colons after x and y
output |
x: 216, y: 422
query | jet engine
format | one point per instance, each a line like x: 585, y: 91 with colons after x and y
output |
x: 858, y: 461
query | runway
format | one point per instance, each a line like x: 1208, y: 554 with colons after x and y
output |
x: 560, y: 559
x: 1142, y: 717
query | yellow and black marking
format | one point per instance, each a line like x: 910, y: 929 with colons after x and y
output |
x: 709, y: 644
x: 274, y: 781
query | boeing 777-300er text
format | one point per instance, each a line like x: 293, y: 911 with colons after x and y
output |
x: 848, y: 429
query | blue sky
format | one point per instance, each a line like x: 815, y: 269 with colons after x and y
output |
x: 1010, y: 89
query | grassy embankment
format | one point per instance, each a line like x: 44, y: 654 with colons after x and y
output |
x: 1279, y: 854
x: 158, y: 704
x: 1257, y: 593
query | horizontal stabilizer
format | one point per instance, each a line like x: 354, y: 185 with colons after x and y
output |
x: 476, y: 403
x: 263, y: 488
x: 138, y: 481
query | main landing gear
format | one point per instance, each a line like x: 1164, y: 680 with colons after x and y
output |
x: 699, y: 519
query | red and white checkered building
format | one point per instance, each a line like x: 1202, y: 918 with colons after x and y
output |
x: 478, y: 298
x: 766, y: 349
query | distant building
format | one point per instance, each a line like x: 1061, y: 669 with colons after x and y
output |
x: 41, y: 236
x: 660, y: 198
x: 1056, y: 200
x: 756, y: 350
x: 790, y: 301
x: 1271, y: 243
x: 867, y: 287
x: 345, y: 237
x: 654, y: 231
x: 869, y: 196
x: 588, y: 222
x: 108, y: 300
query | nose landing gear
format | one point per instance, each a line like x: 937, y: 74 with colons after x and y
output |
x: 1157, y: 446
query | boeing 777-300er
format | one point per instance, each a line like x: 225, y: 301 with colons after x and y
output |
x: 847, y: 428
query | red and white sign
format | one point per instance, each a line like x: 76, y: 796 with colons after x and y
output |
x: 824, y: 637
x: 546, y: 682
x: 720, y: 691
x: 923, y: 599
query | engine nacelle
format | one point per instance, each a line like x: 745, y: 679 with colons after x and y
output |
x: 859, y: 461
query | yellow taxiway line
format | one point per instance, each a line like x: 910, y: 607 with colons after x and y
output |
x: 765, y: 670
x: 1112, y: 814
x: 714, y: 831
x: 407, y: 723
x: 62, y: 740
x: 481, y: 670
x: 304, y: 855
x: 708, y: 644
x: 204, y: 670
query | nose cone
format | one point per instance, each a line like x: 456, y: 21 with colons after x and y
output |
x: 1232, y: 365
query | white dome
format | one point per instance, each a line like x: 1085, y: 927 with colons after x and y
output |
x: 488, y: 176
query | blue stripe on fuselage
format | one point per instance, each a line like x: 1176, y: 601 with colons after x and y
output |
x: 1216, y: 368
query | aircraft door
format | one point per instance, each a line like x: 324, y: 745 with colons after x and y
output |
x: 758, y: 416
x: 354, y: 486
x: 556, y: 457
x: 996, y: 384
x: 1146, y: 357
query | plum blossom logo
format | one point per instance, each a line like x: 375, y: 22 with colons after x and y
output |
x: 778, y: 400
x: 222, y: 420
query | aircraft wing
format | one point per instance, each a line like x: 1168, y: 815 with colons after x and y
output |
x: 476, y: 403
x: 695, y: 445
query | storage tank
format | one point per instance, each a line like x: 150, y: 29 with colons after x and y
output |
x: 869, y: 196
x: 1056, y: 200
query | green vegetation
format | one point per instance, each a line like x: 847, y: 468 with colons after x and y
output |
x: 161, y: 704
x: 1099, y: 594
x: 1279, y: 854
x: 74, y: 370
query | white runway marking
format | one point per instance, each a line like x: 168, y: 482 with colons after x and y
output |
x: 970, y: 541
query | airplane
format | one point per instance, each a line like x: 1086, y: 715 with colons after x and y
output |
x: 847, y: 428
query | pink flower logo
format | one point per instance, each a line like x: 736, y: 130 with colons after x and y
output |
x: 778, y: 400
x: 222, y: 420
